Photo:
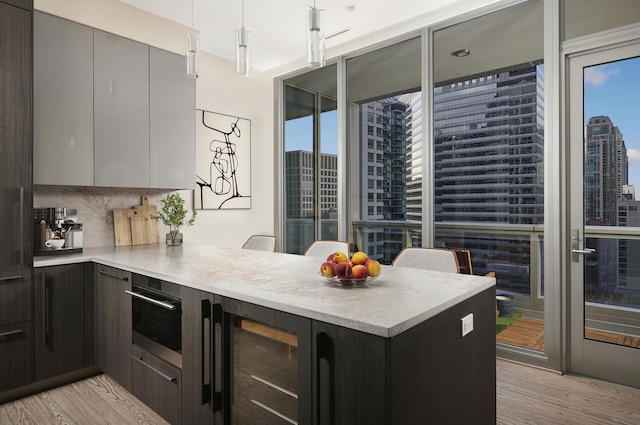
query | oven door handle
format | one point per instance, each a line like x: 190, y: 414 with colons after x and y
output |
x: 151, y: 300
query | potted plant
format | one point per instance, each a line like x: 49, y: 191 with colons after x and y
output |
x: 174, y: 215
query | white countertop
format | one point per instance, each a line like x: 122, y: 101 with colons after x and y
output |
x: 397, y: 300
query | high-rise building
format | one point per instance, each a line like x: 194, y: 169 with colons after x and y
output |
x: 606, y: 170
x: 383, y: 174
x: 489, y: 148
x: 300, y: 198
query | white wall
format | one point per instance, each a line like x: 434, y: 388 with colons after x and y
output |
x: 218, y: 89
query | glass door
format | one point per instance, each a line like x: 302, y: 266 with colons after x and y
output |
x: 604, y: 222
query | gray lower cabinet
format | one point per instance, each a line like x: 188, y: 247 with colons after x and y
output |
x: 157, y: 384
x: 113, y: 323
x: 121, y: 119
x: 62, y: 101
x: 61, y: 325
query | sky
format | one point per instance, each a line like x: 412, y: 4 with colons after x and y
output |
x: 613, y: 89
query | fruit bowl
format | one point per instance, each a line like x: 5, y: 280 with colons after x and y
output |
x: 348, y: 280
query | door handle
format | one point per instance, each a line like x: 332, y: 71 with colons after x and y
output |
x: 220, y: 357
x: 205, y: 339
x: 576, y: 251
x: 583, y: 251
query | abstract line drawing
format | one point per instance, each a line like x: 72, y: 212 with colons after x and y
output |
x: 223, y: 161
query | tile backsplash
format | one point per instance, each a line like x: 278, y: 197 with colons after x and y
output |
x: 95, y: 206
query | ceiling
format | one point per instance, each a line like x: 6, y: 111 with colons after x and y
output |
x: 278, y: 28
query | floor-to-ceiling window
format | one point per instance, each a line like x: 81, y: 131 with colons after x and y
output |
x: 385, y: 149
x: 470, y: 152
x: 488, y: 135
x: 310, y: 201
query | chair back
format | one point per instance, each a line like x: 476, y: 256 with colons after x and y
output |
x: 260, y: 243
x: 464, y: 261
x: 322, y: 249
x: 442, y: 260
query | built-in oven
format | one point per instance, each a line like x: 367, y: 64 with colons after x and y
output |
x: 157, y: 317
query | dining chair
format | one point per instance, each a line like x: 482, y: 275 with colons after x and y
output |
x: 324, y: 248
x: 442, y: 260
x: 260, y: 243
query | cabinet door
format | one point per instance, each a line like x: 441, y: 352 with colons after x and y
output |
x: 17, y: 355
x: 172, y: 122
x: 267, y: 358
x: 121, y: 102
x: 113, y: 323
x: 348, y: 376
x: 197, y: 358
x: 15, y: 163
x: 63, y: 101
x: 59, y: 320
x: 157, y: 384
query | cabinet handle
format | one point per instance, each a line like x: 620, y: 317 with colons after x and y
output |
x: 324, y: 354
x: 126, y: 278
x: 21, y: 225
x: 220, y: 354
x: 9, y: 333
x: 205, y: 337
x: 45, y: 312
x: 8, y: 278
x: 151, y: 300
x: 162, y: 374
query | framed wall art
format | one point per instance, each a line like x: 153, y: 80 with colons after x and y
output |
x: 223, y: 161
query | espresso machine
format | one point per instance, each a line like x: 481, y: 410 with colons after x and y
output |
x: 56, y: 231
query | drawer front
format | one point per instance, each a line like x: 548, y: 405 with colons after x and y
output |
x: 17, y: 355
x: 157, y: 384
x: 15, y: 299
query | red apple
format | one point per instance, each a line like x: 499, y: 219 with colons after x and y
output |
x: 342, y: 270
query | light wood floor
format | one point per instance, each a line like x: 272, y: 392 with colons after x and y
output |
x: 529, y: 333
x: 93, y: 401
x: 525, y: 395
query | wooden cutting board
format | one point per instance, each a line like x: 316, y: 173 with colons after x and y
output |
x: 122, y: 227
x: 135, y: 226
x: 144, y: 229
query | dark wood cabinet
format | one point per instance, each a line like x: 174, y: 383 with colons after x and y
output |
x: 16, y: 352
x: 157, y: 384
x: 60, y: 319
x: 348, y: 376
x: 267, y: 363
x: 197, y: 357
x: 16, y: 151
x: 428, y: 374
x: 113, y: 323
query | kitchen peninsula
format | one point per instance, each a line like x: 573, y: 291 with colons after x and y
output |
x: 389, y: 352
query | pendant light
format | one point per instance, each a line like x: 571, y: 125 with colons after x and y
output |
x: 242, y: 48
x: 191, y: 56
x: 315, y: 37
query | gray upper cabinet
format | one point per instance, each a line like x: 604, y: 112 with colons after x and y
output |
x: 63, y: 101
x: 109, y: 111
x: 121, y: 102
x: 172, y: 122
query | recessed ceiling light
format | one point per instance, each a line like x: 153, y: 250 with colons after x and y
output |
x: 461, y: 53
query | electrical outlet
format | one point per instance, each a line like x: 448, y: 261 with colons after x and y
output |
x: 467, y: 324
